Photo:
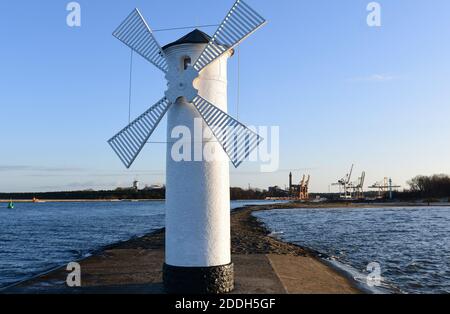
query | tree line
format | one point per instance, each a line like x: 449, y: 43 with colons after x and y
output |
x: 122, y: 194
x: 434, y: 186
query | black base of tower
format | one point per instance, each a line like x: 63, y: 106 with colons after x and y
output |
x: 198, y: 280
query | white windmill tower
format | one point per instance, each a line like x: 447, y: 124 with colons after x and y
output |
x: 198, y: 255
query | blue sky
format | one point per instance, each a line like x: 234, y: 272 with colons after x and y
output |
x: 340, y: 91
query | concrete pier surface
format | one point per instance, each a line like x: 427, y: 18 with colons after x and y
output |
x: 263, y: 265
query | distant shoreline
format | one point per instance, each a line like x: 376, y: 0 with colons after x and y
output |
x: 81, y: 201
x: 297, y: 204
x: 99, y: 200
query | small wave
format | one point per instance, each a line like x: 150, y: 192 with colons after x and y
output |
x: 276, y: 234
x: 359, y: 278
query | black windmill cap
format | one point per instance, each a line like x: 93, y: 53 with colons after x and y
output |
x: 194, y: 37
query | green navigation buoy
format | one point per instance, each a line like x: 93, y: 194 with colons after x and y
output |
x: 10, y: 205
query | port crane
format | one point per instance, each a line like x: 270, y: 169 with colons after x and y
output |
x: 304, y: 188
x: 345, y: 187
x: 358, y: 186
x: 384, y: 187
x: 299, y: 191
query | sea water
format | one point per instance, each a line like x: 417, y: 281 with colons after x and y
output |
x: 410, y: 245
x: 36, y: 237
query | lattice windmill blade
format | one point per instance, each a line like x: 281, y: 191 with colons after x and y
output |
x: 237, y: 140
x: 129, y: 142
x: 239, y: 23
x: 136, y: 34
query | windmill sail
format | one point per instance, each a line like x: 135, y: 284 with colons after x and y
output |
x: 237, y: 140
x: 129, y: 142
x: 239, y: 23
x: 136, y: 34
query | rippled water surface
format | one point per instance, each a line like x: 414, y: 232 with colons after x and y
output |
x: 38, y: 237
x: 412, y: 245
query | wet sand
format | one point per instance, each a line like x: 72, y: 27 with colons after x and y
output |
x: 263, y: 265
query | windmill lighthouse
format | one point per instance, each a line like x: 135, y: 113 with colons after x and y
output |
x: 198, y: 254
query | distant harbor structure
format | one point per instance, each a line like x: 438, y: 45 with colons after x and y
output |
x: 345, y: 187
x: 358, y: 187
x: 385, y: 188
x: 294, y: 192
x: 299, y: 191
x: 198, y: 240
x: 354, y: 191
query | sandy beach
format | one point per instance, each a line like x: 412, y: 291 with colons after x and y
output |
x: 263, y: 265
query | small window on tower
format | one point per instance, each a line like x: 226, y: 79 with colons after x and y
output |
x: 186, y: 62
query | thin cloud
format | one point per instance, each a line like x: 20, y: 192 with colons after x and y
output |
x: 251, y: 173
x: 8, y: 168
x: 77, y: 186
x: 375, y: 78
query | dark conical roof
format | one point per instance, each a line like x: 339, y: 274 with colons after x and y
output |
x: 194, y: 37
